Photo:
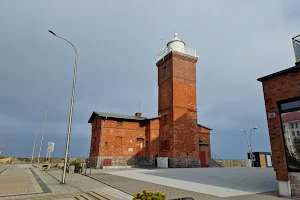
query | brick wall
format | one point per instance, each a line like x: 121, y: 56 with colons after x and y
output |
x: 122, y: 140
x: 152, y: 136
x: 95, y: 137
x: 119, y: 140
x: 177, y: 101
x: 232, y: 163
x: 279, y: 88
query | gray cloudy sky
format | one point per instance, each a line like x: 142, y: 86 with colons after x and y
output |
x: 117, y: 42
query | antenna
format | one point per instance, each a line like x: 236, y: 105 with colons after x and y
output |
x: 162, y: 40
x: 139, y: 105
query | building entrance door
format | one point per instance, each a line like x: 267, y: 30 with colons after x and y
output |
x: 202, y: 155
x: 139, y: 147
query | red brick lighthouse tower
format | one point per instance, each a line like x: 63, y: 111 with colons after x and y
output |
x: 177, y: 104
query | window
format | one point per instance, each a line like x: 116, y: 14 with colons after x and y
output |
x: 165, y: 145
x: 164, y: 72
x: 120, y: 123
x: 290, y: 106
x: 165, y: 119
x: 289, y: 111
x: 94, y: 144
x: 106, y: 144
x: 147, y: 145
x: 142, y: 124
x: 283, y: 128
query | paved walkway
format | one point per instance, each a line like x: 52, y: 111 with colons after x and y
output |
x: 18, y: 180
x: 80, y: 183
x: 211, y: 183
x: 26, y: 182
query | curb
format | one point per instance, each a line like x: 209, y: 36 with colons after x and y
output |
x: 106, y: 184
x: 3, y: 170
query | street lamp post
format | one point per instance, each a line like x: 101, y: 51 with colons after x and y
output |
x: 33, y: 149
x: 71, y: 108
x: 249, y: 143
x: 45, y: 119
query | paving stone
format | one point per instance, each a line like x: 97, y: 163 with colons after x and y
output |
x: 133, y: 186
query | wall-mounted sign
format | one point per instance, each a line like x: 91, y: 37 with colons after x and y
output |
x: 271, y: 115
x: 51, y: 146
x: 130, y: 149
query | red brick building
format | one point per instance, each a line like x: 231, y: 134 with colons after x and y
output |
x: 282, y: 101
x: 119, y: 140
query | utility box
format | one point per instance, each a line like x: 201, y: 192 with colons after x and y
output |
x: 71, y: 169
x: 261, y: 159
x: 162, y: 162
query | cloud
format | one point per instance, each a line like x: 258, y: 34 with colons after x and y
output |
x: 117, y: 44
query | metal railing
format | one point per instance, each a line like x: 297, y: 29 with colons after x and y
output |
x: 215, y: 157
x: 183, y: 50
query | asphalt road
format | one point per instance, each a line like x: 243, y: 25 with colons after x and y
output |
x: 245, y: 179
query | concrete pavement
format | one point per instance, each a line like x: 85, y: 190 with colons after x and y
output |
x: 221, y: 182
x: 18, y: 180
x: 26, y: 182
x: 199, y: 183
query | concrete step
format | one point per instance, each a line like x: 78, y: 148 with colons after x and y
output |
x: 97, y: 196
x: 106, y: 196
x: 86, y: 196
x: 79, y: 197
x: 213, y: 163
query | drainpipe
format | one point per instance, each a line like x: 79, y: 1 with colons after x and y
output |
x: 100, y: 145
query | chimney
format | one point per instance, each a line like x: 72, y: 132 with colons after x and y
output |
x: 138, y: 114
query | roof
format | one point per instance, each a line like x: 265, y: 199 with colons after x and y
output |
x: 204, y: 127
x: 288, y: 70
x: 292, y: 116
x: 119, y: 116
x: 126, y: 117
x: 175, y: 39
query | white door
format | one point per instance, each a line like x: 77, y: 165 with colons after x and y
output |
x: 269, y: 162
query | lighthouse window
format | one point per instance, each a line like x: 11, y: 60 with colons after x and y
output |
x: 164, y: 72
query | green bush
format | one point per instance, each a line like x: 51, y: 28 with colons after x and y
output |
x: 147, y: 195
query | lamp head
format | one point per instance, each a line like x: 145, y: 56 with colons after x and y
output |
x: 52, y: 32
